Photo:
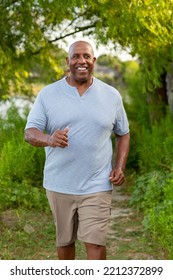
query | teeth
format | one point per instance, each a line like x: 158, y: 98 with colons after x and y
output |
x: 81, y: 68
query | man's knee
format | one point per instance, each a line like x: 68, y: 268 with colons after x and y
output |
x: 95, y: 251
x: 94, y: 246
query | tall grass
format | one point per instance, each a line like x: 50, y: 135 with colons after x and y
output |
x: 155, y: 146
x: 21, y: 166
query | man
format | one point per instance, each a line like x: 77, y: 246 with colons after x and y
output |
x: 78, y: 114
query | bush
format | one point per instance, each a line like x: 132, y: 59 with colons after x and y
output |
x: 153, y: 195
x: 19, y: 161
x: 21, y: 167
x: 14, y: 195
x: 155, y: 149
x: 159, y: 222
x: 148, y: 190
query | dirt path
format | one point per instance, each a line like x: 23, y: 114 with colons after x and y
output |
x: 126, y: 237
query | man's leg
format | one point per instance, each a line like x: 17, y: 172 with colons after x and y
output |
x: 66, y: 220
x: 66, y: 252
x: 95, y: 252
x: 94, y: 213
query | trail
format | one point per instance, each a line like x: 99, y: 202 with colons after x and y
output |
x: 126, y: 233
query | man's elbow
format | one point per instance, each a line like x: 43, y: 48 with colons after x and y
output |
x: 28, y: 136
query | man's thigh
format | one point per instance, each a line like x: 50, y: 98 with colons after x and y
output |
x: 64, y: 211
x: 93, y: 216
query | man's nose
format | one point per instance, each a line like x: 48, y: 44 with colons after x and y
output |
x: 82, y: 59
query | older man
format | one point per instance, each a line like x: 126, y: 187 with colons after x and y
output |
x: 79, y: 114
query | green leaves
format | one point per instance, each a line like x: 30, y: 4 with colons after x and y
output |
x: 21, y: 166
x: 33, y: 27
x: 154, y: 196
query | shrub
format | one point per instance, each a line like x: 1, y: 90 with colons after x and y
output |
x: 21, y: 166
x: 153, y: 195
x: 155, y: 146
x: 148, y: 190
x: 19, y: 161
x: 159, y: 222
x: 14, y: 195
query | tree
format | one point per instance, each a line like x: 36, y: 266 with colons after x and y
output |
x: 29, y: 29
x: 34, y: 27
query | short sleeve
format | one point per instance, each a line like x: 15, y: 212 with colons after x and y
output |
x: 121, y: 124
x: 37, y: 116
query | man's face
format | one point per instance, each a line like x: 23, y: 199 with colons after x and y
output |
x: 81, y: 62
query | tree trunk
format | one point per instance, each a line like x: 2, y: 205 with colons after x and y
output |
x: 169, y: 86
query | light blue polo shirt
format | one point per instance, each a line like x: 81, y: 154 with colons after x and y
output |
x: 84, y: 166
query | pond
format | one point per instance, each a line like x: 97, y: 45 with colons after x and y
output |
x: 21, y: 103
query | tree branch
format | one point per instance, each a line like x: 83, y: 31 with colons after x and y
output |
x: 77, y: 30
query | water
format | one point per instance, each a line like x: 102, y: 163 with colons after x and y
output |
x: 20, y: 103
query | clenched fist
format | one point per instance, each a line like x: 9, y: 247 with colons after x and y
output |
x: 59, y: 138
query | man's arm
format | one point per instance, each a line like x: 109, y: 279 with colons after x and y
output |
x: 37, y: 138
x: 122, y: 151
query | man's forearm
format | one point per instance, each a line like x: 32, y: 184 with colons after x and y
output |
x: 36, y: 137
x: 122, y: 150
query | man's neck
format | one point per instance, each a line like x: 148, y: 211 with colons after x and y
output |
x: 81, y: 86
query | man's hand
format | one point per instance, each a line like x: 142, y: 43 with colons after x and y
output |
x: 117, y: 176
x: 59, y: 138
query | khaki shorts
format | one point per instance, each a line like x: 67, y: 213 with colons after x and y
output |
x: 82, y: 217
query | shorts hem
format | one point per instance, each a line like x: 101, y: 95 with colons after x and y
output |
x: 92, y: 242
x: 65, y: 244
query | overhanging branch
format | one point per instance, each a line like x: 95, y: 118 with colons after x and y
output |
x: 76, y: 30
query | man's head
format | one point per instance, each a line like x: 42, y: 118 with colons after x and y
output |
x: 81, y: 61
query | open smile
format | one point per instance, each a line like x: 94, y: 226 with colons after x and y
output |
x: 82, y: 69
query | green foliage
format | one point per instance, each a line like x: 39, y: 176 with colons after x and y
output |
x: 149, y: 190
x: 139, y: 106
x: 153, y: 191
x: 136, y: 107
x: 28, y: 42
x: 21, y: 166
x: 110, y: 61
x: 155, y: 146
x: 144, y: 27
x: 11, y: 124
x: 151, y: 130
x: 17, y: 158
x: 159, y: 222
x: 151, y: 156
x: 153, y: 195
x: 22, y: 194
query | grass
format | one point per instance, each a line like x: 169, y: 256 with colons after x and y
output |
x: 30, y: 235
x: 27, y: 235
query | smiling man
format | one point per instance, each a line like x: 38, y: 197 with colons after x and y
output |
x: 79, y: 114
x: 81, y: 62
